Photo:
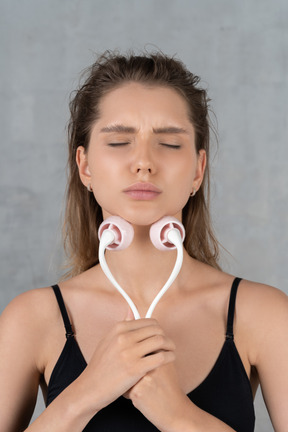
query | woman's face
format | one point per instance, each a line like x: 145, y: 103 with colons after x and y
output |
x: 141, y: 161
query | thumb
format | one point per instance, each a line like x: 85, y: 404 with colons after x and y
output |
x: 126, y: 395
x: 129, y: 315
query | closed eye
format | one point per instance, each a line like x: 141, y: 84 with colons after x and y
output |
x: 172, y: 146
x: 118, y: 144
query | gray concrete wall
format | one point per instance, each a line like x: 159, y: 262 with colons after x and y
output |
x: 239, y: 48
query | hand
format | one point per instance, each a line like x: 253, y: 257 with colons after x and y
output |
x: 127, y: 353
x: 159, y: 397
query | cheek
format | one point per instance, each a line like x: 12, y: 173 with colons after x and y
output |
x: 182, y: 185
x: 104, y: 198
x: 182, y: 175
x: 105, y: 181
x: 178, y: 192
x: 100, y: 167
x: 106, y: 163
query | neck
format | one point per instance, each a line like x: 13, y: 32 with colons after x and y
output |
x: 142, y: 270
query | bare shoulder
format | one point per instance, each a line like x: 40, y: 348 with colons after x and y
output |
x: 29, y: 306
x: 24, y: 325
x: 260, y: 308
x: 262, y: 312
x: 261, y: 299
x: 26, y: 319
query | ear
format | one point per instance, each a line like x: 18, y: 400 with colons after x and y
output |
x: 83, y: 167
x: 200, y: 169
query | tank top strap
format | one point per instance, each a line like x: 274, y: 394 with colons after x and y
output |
x: 67, y: 324
x: 231, y: 309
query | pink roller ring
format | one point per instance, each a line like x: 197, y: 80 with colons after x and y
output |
x: 122, y: 230
x: 159, y: 232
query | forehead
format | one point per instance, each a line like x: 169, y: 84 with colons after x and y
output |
x: 144, y: 102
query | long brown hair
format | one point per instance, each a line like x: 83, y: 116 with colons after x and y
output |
x: 83, y: 214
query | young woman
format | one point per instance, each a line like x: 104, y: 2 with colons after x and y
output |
x: 139, y: 149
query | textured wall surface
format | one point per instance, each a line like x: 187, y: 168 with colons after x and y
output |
x: 239, y: 48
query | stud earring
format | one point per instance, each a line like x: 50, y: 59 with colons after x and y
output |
x: 89, y: 188
x: 193, y: 193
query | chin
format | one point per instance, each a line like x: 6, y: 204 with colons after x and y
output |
x: 148, y: 218
x: 142, y: 216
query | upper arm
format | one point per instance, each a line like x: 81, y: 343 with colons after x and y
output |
x: 271, y: 353
x: 19, y: 371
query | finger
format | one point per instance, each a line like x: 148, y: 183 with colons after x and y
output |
x: 156, y: 360
x: 143, y: 333
x: 129, y: 316
x: 131, y: 325
x: 155, y: 344
x: 126, y: 395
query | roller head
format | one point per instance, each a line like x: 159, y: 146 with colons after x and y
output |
x: 122, y: 230
x: 159, y: 232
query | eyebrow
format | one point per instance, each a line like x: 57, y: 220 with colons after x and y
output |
x: 119, y: 128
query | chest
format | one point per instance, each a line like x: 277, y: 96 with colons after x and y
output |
x: 198, y: 334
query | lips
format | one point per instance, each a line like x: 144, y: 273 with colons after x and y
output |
x: 142, y: 191
x: 147, y: 187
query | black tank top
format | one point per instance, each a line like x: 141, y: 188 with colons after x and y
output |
x: 225, y: 393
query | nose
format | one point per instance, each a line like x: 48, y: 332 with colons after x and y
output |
x: 143, y: 161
